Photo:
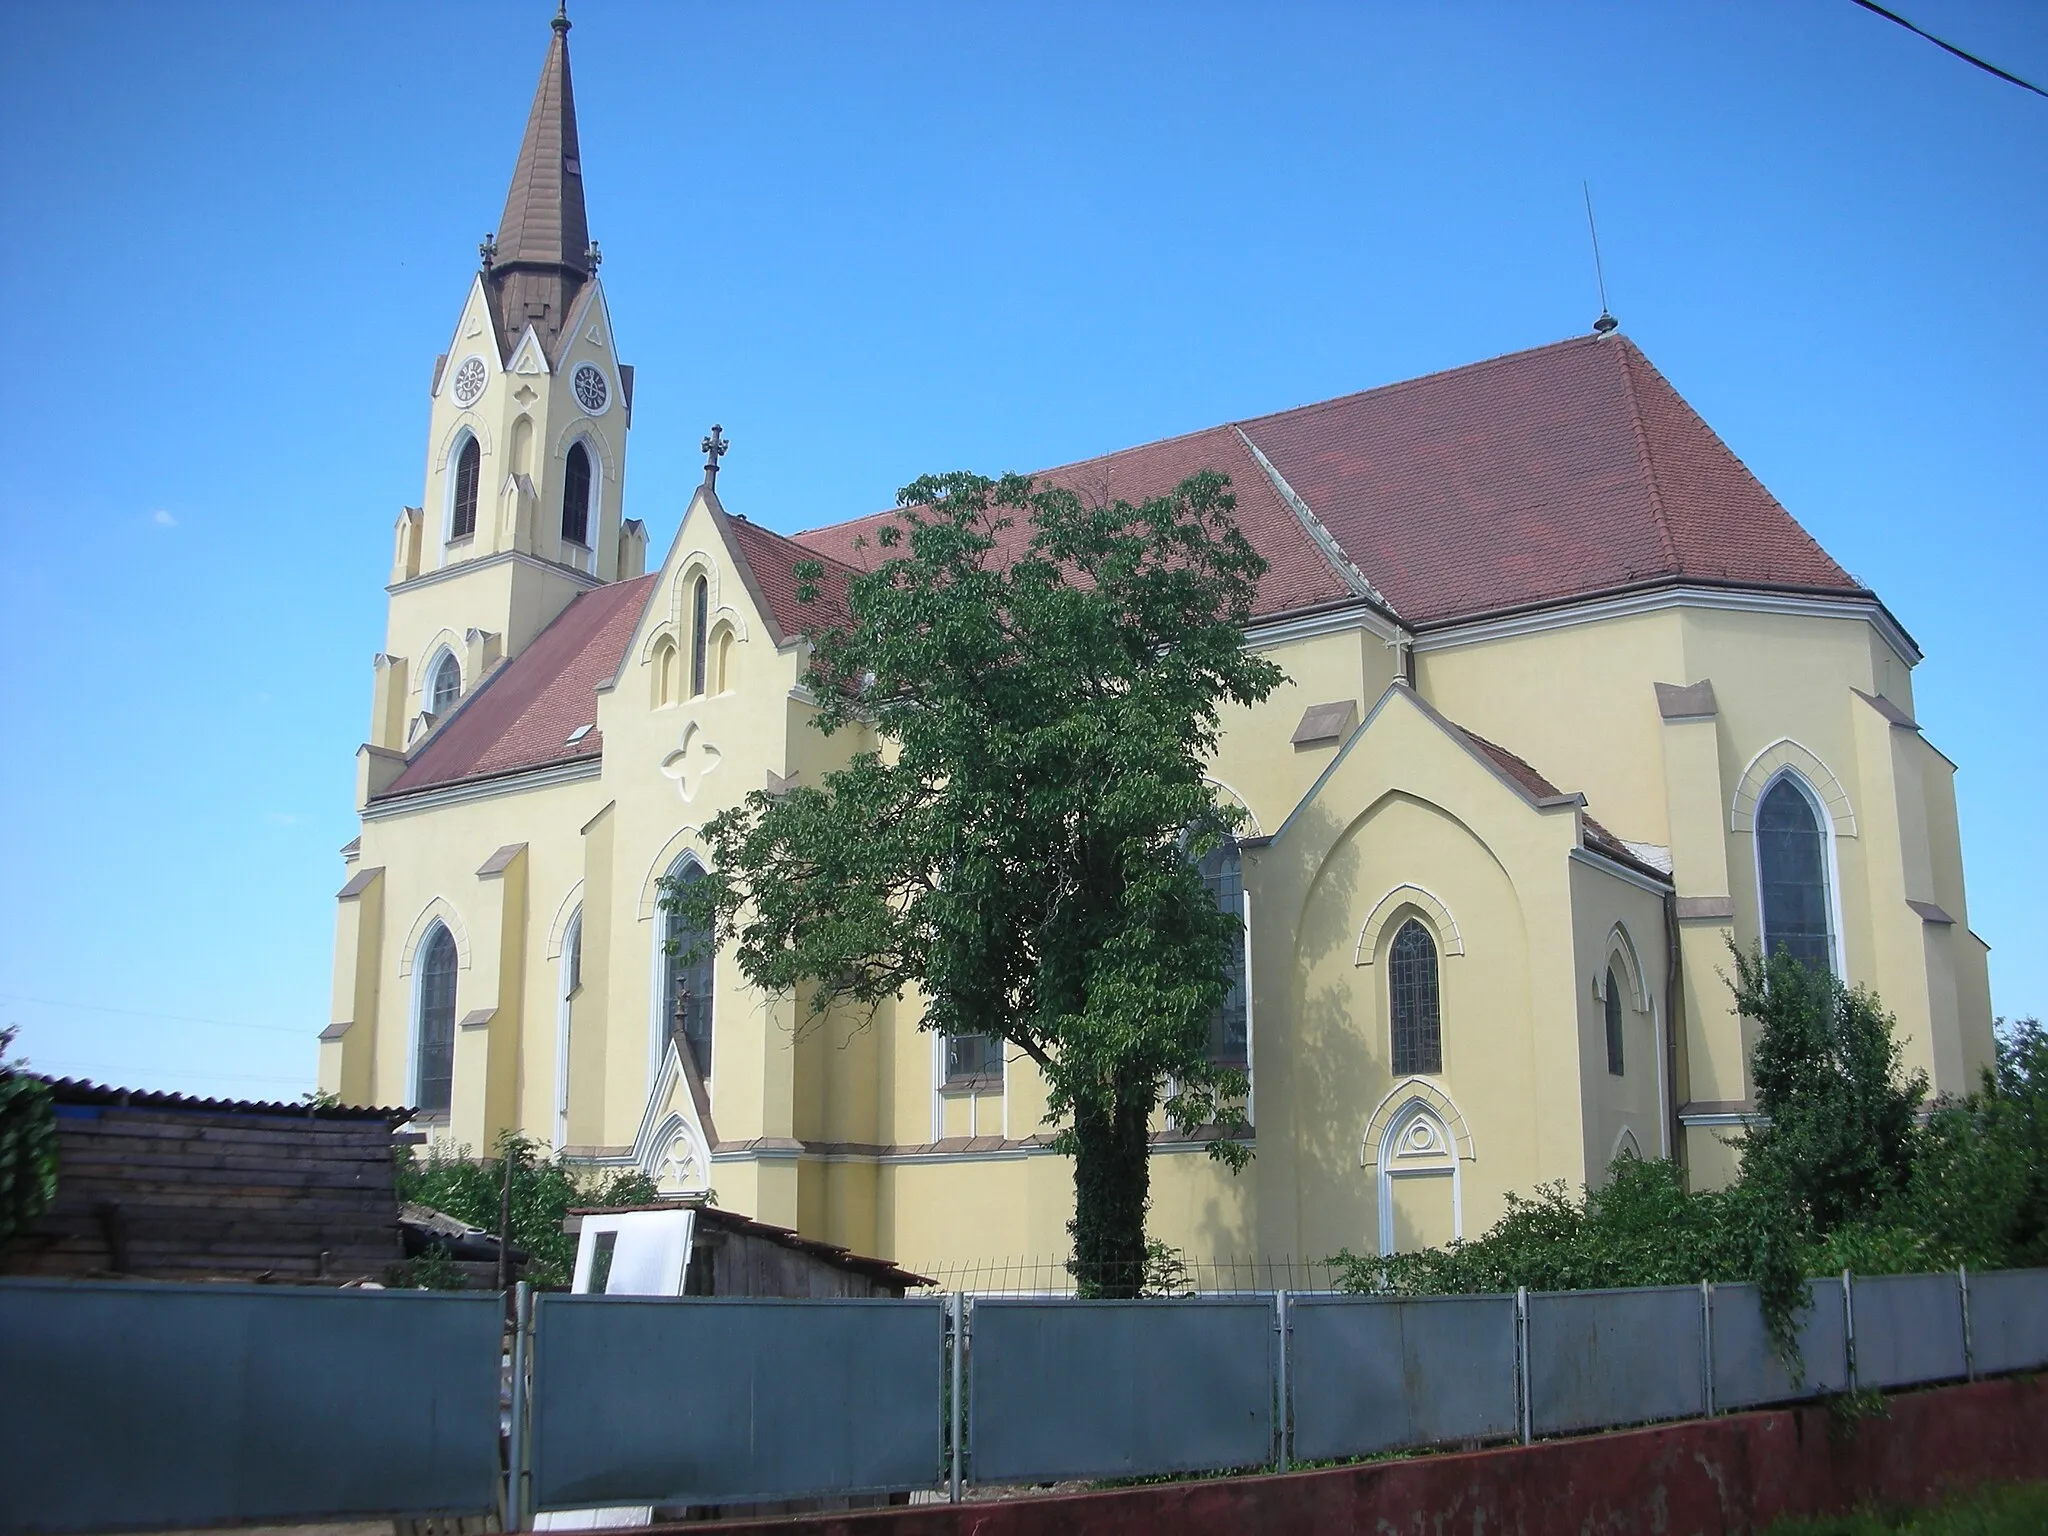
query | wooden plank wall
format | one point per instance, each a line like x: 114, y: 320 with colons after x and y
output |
x: 173, y: 1194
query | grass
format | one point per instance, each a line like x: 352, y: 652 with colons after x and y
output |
x: 2013, y: 1509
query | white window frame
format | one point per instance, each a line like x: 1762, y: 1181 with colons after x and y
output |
x: 1401, y: 1119
x: 443, y: 655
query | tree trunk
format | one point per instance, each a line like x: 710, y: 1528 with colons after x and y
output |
x: 1112, y: 1187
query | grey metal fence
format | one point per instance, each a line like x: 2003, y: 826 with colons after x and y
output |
x: 1597, y: 1358
x: 1373, y: 1374
x: 1061, y: 1388
x: 1748, y: 1371
x: 717, y: 1401
x: 133, y: 1406
x: 2008, y: 1320
x: 137, y: 1406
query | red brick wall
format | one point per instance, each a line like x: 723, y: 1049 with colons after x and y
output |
x: 1732, y: 1474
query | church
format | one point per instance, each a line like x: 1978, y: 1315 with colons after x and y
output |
x: 1571, y: 701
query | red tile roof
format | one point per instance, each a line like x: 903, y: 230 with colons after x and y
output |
x: 1591, y: 833
x: 523, y: 714
x: 1544, y: 475
x: 1298, y: 574
x: 773, y: 559
x: 1555, y: 473
x: 1539, y: 477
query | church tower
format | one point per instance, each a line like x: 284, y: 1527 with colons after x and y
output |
x: 526, y: 445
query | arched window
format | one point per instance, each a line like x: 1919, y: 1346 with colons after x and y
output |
x: 687, y: 978
x: 572, y: 983
x: 723, y: 674
x: 576, y: 496
x: 700, y: 612
x: 1792, y: 874
x: 1412, y: 989
x: 664, y: 671
x: 434, y: 1060
x: 1613, y: 1023
x: 444, y: 686
x: 468, y: 472
x: 1223, y: 873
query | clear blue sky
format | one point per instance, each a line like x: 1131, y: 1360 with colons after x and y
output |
x: 875, y: 241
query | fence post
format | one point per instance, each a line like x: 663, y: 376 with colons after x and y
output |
x: 957, y: 1454
x: 1969, y: 1343
x: 515, y: 1449
x: 1522, y: 1385
x: 1849, y: 1327
x: 1707, y: 1346
x: 1283, y: 1418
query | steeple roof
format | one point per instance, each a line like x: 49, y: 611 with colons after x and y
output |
x: 543, y: 260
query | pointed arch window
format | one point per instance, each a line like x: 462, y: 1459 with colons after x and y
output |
x: 1613, y: 1014
x: 434, y: 1059
x: 1792, y: 875
x: 687, y: 977
x: 576, y: 479
x: 1229, y: 1037
x: 468, y: 474
x: 1413, y: 992
x: 700, y: 614
x: 444, y: 686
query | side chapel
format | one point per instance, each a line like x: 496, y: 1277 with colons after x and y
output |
x: 1572, y: 701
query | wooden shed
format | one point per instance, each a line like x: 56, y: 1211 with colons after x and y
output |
x: 734, y: 1255
x: 163, y: 1187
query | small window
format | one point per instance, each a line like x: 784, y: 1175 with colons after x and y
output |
x: 973, y: 1059
x: 576, y: 497
x: 468, y: 472
x: 1229, y: 1038
x: 1792, y: 869
x: 687, y: 979
x: 1412, y: 983
x: 1614, y: 1062
x: 444, y: 686
x: 435, y: 1065
x: 700, y: 606
x: 724, y: 672
x: 664, y: 672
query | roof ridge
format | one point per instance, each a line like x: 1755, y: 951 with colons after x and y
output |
x: 1051, y: 469
x: 1401, y: 386
x: 1643, y: 456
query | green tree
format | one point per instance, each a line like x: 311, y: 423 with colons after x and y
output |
x: 28, y: 1145
x: 1042, y: 676
x: 1836, y: 1132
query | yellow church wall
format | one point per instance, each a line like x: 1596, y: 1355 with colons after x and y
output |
x: 1575, y: 701
x: 1619, y: 926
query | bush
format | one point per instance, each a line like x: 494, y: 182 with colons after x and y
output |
x: 1847, y: 1169
x: 544, y: 1190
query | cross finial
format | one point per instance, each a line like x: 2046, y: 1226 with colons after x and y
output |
x: 714, y: 449
x: 487, y: 248
x: 594, y: 256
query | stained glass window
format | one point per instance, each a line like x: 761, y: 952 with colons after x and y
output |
x: 446, y: 688
x: 1792, y: 865
x: 1412, y: 983
x: 687, y: 979
x: 1223, y: 874
x: 436, y: 1064
x: 700, y: 605
x: 1613, y: 1024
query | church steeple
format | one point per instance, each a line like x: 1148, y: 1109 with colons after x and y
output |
x: 543, y: 256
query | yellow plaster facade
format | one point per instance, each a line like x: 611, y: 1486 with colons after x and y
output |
x: 1562, y: 951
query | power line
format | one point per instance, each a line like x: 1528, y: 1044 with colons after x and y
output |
x: 139, y: 1013
x: 1966, y: 56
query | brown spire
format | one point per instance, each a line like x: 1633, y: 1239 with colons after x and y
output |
x: 543, y: 255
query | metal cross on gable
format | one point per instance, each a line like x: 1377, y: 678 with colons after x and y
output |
x: 715, y: 446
